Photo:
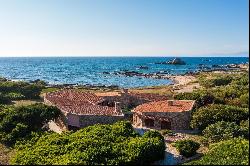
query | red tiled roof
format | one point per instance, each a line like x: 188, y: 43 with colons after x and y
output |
x: 75, y: 96
x: 162, y: 106
x: 149, y: 96
x: 104, y: 94
x: 77, y: 102
x: 90, y: 109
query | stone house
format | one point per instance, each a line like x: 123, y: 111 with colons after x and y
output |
x: 167, y: 114
x: 81, y: 109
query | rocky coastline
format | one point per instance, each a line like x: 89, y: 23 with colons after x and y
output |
x: 166, y: 74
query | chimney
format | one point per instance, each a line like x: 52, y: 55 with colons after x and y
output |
x: 170, y: 102
x: 117, y: 106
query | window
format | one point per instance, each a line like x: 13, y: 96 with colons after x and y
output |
x: 149, y: 122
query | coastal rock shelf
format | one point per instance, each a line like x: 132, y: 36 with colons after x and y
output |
x: 166, y: 74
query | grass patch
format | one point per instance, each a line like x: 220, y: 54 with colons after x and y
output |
x: 47, y: 90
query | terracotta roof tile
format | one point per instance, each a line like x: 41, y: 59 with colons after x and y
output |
x: 75, y: 96
x: 163, y: 106
x: 80, y: 103
x: 104, y: 94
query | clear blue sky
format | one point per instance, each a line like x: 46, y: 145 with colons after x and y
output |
x: 123, y: 27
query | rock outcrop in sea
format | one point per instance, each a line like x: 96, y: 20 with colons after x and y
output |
x: 175, y: 61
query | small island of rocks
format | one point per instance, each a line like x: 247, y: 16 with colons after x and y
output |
x: 175, y: 61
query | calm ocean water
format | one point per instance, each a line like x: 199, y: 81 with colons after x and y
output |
x: 89, y: 70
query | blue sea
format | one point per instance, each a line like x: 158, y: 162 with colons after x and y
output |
x: 89, y: 70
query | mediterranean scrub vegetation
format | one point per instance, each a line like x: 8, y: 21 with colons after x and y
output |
x: 187, y: 147
x: 234, y: 92
x: 211, y: 114
x: 221, y: 114
x: 18, y: 122
x: 223, y: 131
x: 231, y: 152
x: 10, y: 90
x: 93, y: 145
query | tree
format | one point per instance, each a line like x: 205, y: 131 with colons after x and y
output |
x: 18, y: 122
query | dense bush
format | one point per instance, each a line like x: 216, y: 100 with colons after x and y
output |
x: 211, y: 114
x: 241, y: 79
x: 115, y: 144
x: 18, y: 122
x: 218, y: 81
x: 24, y: 89
x: 227, y: 94
x: 187, y: 148
x: 230, y: 152
x: 15, y: 96
x: 230, y: 89
x: 244, y: 100
x: 202, y: 97
x: 222, y: 131
x: 4, y: 99
x: 244, y: 125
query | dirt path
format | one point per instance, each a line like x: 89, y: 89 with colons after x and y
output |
x: 5, y: 154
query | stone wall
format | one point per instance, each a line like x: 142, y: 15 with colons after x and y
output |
x: 73, y: 120
x: 179, y: 120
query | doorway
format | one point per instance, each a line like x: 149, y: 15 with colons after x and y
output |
x: 166, y: 125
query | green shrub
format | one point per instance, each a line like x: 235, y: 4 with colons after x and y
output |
x: 230, y: 152
x: 231, y: 94
x: 244, y: 100
x: 222, y: 131
x: 242, y: 79
x: 202, y: 97
x: 18, y: 122
x: 187, y: 148
x: 116, y: 144
x: 15, y: 96
x: 219, y: 81
x: 4, y: 99
x: 227, y: 89
x: 167, y: 132
x: 244, y: 125
x: 30, y: 91
x: 211, y: 114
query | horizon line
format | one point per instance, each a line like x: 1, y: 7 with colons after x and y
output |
x: 125, y: 56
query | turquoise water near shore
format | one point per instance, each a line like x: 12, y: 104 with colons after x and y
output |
x: 89, y: 70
